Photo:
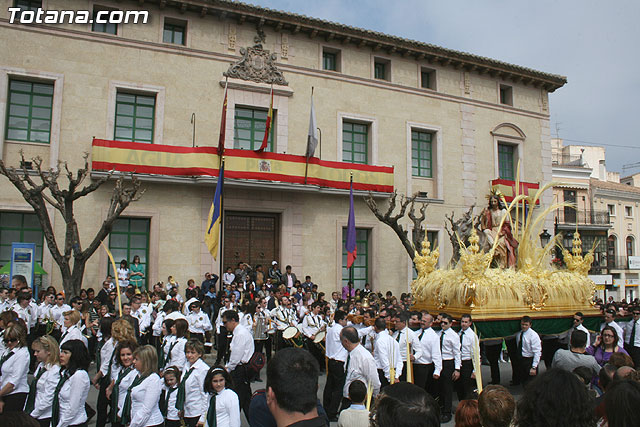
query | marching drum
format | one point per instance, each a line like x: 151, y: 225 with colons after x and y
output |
x: 293, y: 336
x: 260, y: 328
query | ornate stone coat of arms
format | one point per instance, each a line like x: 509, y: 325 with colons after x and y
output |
x: 257, y: 64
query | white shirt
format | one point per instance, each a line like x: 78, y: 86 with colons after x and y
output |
x: 174, y: 315
x: 361, y: 366
x: 56, y: 312
x: 311, y: 324
x: 430, y: 342
x: 145, y: 410
x: 44, y: 312
x: 246, y: 320
x: 126, y: 381
x: 123, y: 277
x: 199, y: 323
x: 227, y: 409
x: 284, y: 317
x: 157, y: 324
x: 25, y: 313
x: 219, y: 318
x: 72, y: 397
x: 619, y: 331
x: 468, y: 344
x: 195, y: 403
x: 334, y: 348
x: 74, y: 333
x: 531, y: 345
x: 451, y: 347
x: 401, y: 338
x: 107, y: 355
x: 143, y: 314
x: 627, y: 333
x: 172, y: 411
x: 242, y: 347
x: 185, y: 309
x: 386, y: 350
x: 367, y: 335
x: 177, y: 356
x: 44, y: 391
x: 15, y: 370
x: 227, y: 278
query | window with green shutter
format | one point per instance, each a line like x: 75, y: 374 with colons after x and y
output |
x: 249, y: 127
x: 355, y: 142
x: 29, y: 111
x: 173, y: 33
x: 24, y: 5
x: 361, y: 264
x: 19, y: 227
x: 506, y: 161
x: 130, y: 237
x: 421, y: 154
x: 135, y: 115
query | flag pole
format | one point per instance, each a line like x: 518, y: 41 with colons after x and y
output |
x: 350, y: 282
x: 306, y: 166
x: 221, y: 239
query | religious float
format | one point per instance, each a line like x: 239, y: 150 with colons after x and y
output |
x: 503, y: 273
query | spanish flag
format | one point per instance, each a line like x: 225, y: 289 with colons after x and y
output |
x: 214, y: 221
x: 267, y: 128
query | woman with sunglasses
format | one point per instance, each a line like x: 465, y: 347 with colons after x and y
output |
x: 605, y: 345
x: 14, y: 367
x: 70, y: 394
x: 45, y: 379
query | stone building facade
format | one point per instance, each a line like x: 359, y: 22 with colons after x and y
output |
x: 447, y: 122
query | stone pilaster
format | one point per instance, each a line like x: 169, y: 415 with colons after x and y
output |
x: 469, y: 176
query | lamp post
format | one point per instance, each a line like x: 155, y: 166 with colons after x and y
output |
x: 545, y: 237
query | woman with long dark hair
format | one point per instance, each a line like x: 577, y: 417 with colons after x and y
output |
x: 14, y: 367
x: 70, y: 395
x: 605, y: 345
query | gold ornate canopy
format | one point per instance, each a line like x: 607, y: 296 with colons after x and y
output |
x: 531, y: 287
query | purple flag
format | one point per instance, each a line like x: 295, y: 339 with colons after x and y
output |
x: 352, y: 250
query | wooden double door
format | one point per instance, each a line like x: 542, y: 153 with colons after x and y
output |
x: 253, y: 238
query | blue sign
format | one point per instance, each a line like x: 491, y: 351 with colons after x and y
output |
x: 23, y: 261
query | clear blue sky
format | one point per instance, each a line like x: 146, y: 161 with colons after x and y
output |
x: 593, y: 43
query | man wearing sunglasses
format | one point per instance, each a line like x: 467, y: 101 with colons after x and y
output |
x: 57, y: 310
x: 632, y: 337
x: 451, y: 362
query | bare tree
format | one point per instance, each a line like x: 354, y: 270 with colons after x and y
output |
x: 48, y: 191
x: 391, y: 220
x: 461, y: 229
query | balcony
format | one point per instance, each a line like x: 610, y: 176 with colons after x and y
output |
x: 167, y: 163
x: 559, y: 159
x: 582, y: 217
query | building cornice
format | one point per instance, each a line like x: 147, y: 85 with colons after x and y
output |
x: 385, y: 44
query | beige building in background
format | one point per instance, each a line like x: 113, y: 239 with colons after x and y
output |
x: 448, y: 122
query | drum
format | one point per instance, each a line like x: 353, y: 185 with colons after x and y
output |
x: 260, y: 328
x: 293, y: 336
x: 319, y: 337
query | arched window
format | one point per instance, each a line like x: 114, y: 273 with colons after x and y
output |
x: 612, y: 243
x: 630, y: 245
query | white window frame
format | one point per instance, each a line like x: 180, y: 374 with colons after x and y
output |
x: 437, y: 168
x: 139, y: 89
x: 517, y: 141
x: 372, y: 124
x: 7, y: 73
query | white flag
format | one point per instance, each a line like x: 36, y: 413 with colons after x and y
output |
x: 312, y: 137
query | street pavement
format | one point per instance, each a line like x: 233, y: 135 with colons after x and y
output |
x: 505, y: 373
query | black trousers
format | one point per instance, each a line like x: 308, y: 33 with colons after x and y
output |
x: 103, y: 404
x: 14, y: 402
x: 45, y: 422
x: 465, y: 384
x: 634, y: 352
x: 172, y: 423
x: 191, y: 422
x: 549, y: 348
x: 525, y: 364
x: 222, y: 345
x: 445, y: 386
x: 199, y: 337
x: 316, y: 352
x: 240, y: 377
x: 384, y: 382
x: 493, y: 356
x: 403, y: 376
x: 512, y: 350
x: 332, y: 394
